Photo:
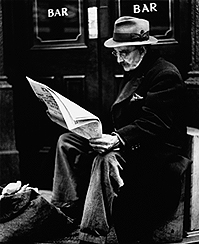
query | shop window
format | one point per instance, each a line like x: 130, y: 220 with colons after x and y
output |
x: 160, y: 13
x: 58, y: 24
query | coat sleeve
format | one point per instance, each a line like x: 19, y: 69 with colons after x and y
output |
x: 161, y: 114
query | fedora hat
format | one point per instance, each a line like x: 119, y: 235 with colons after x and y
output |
x: 130, y: 31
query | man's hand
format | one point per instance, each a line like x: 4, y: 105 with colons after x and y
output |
x: 105, y: 143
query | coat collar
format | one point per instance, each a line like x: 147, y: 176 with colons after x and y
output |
x: 130, y: 87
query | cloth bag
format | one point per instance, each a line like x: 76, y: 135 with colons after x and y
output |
x: 29, y: 216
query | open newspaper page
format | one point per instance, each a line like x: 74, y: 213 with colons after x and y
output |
x: 67, y: 113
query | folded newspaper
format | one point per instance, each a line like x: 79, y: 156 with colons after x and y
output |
x: 67, y: 113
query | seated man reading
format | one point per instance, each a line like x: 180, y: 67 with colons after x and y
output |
x: 130, y: 178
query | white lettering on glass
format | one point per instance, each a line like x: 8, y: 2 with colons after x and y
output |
x: 57, y: 12
x: 152, y: 7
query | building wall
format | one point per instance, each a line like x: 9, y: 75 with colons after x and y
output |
x: 193, y: 75
x: 9, y: 170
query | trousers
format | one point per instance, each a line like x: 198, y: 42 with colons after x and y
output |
x: 81, y: 175
x: 134, y: 191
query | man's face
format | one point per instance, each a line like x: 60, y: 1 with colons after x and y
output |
x: 129, y: 57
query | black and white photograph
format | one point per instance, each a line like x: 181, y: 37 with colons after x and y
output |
x: 99, y: 121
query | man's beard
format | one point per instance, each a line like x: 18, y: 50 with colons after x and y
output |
x: 131, y: 66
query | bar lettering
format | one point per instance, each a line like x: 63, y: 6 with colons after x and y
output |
x: 152, y: 7
x: 57, y: 12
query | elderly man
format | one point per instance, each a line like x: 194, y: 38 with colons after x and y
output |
x: 132, y: 176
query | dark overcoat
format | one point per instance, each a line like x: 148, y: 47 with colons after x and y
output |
x: 150, y: 112
x: 149, y: 115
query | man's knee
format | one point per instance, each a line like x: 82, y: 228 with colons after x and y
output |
x: 62, y: 139
x: 71, y: 140
x: 68, y: 137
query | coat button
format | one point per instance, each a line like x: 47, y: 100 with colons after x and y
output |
x: 136, y: 146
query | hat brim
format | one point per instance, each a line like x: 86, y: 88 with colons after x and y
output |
x: 110, y: 43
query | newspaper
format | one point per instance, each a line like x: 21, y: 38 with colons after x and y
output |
x: 67, y: 113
